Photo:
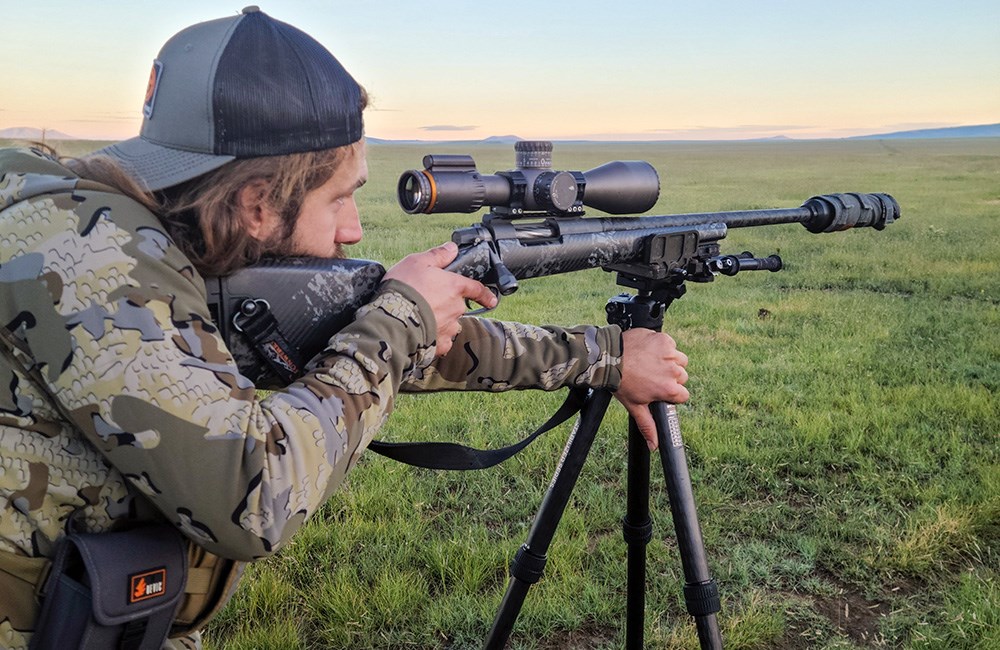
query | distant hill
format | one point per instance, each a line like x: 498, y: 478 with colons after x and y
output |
x: 31, y: 133
x: 371, y: 140
x: 979, y: 131
x: 501, y: 139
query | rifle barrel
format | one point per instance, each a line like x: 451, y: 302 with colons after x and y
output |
x: 825, y: 213
x: 734, y: 219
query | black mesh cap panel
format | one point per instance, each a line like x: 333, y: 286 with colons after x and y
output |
x: 278, y: 91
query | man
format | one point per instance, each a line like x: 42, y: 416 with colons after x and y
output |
x: 119, y: 402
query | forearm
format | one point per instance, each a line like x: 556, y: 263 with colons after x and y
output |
x: 497, y: 356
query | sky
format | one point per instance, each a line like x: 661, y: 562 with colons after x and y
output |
x: 586, y: 69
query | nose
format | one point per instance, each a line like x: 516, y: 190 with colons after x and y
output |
x: 349, y: 231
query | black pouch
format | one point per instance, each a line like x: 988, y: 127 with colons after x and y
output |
x: 113, y: 590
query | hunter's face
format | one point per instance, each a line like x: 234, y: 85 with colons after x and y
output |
x: 329, y: 219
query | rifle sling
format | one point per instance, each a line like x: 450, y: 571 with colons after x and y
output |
x: 450, y: 455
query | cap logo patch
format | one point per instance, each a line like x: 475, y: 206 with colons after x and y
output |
x: 143, y: 586
x: 151, y: 88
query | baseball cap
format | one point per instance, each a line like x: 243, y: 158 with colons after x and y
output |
x: 238, y: 87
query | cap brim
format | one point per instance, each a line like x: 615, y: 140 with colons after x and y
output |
x: 157, y: 167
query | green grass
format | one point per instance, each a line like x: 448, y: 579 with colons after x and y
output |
x: 842, y: 442
x: 842, y: 433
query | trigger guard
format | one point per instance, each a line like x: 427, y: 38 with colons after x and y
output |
x: 482, y: 310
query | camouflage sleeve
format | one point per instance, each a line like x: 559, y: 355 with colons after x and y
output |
x: 497, y: 356
x: 109, y: 315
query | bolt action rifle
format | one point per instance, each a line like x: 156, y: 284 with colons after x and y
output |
x: 278, y: 315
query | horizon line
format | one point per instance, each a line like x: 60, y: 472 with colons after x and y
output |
x: 508, y: 138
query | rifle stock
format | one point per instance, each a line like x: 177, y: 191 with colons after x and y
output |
x: 278, y: 314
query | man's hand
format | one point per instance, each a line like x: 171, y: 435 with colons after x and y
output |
x: 653, y: 370
x: 444, y: 291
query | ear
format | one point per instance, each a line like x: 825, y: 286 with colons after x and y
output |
x: 255, y: 212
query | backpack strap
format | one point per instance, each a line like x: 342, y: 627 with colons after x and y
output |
x: 21, y: 582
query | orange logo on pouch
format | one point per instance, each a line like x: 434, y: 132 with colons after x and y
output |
x: 144, y: 586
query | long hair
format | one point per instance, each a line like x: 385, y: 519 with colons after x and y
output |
x: 203, y: 215
x: 104, y: 170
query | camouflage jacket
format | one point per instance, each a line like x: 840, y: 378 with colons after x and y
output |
x: 114, y: 381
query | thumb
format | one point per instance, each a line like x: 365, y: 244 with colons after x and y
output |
x: 647, y: 427
x: 441, y: 256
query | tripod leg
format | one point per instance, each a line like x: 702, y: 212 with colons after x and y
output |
x: 637, y: 528
x: 700, y: 591
x: 527, y: 566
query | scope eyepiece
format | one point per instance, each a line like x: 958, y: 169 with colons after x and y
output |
x: 451, y: 183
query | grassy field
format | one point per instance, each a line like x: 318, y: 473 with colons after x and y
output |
x: 842, y: 433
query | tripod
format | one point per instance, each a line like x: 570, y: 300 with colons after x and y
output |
x: 700, y: 591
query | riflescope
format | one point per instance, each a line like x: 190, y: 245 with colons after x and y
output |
x: 451, y: 183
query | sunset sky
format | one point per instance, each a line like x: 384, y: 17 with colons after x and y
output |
x: 602, y: 70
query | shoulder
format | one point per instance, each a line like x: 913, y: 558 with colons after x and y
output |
x: 27, y: 172
x: 30, y: 160
x: 78, y: 228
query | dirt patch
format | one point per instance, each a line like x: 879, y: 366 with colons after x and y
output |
x: 791, y: 641
x: 854, y: 617
x: 583, y: 639
x: 851, y: 613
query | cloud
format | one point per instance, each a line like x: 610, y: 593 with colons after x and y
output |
x: 104, y: 120
x: 448, y: 127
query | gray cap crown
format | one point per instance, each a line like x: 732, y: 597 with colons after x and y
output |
x: 238, y: 87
